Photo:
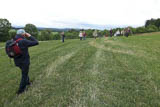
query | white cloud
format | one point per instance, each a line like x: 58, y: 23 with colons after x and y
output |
x: 69, y: 13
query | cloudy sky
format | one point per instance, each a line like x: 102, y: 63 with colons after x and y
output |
x: 79, y: 13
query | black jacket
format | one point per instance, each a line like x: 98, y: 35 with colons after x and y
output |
x: 24, y: 44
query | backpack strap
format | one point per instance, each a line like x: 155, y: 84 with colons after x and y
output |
x: 18, y: 40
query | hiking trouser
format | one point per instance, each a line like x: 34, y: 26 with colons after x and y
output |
x: 25, y: 78
x: 127, y: 34
x: 62, y: 39
x: 84, y: 37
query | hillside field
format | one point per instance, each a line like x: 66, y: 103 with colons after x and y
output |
x: 112, y: 72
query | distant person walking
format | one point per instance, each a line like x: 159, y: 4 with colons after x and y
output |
x: 23, y: 61
x: 99, y: 34
x: 84, y: 35
x: 80, y: 35
x: 111, y: 33
x: 62, y: 36
x: 127, y: 32
x: 95, y: 34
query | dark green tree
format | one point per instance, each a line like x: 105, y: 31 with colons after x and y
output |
x: 12, y: 33
x: 72, y: 34
x: 32, y: 29
x: 141, y: 30
x: 133, y: 30
x: 5, y: 26
x: 152, y: 28
x: 157, y: 24
x: 56, y: 36
x: 89, y: 33
x: 45, y: 34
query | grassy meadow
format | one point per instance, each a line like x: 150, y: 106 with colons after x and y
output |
x: 1, y: 45
x: 117, y: 71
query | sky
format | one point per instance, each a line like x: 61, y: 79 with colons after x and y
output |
x: 79, y: 13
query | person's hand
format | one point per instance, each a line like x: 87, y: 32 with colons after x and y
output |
x: 27, y: 34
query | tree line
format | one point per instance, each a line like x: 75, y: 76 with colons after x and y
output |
x: 7, y: 31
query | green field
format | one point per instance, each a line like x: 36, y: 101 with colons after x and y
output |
x: 1, y: 45
x: 117, y: 71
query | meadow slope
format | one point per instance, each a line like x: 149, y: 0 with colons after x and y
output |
x: 104, y: 72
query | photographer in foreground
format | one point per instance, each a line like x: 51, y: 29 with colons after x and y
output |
x: 23, y: 61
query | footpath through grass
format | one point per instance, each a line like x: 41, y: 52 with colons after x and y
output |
x: 114, y: 71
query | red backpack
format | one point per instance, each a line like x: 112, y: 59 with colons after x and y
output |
x: 12, y: 48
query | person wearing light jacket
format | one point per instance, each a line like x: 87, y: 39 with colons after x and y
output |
x: 95, y: 34
x: 81, y: 35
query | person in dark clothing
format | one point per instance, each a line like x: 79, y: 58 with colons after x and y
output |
x: 99, y: 34
x: 63, y: 36
x: 23, y: 61
x: 111, y: 32
x: 127, y: 32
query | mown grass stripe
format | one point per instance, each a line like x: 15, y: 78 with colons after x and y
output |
x: 68, y: 49
x: 90, y: 73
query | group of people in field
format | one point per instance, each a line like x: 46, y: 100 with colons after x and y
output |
x: 126, y: 32
x: 23, y: 40
x: 82, y: 34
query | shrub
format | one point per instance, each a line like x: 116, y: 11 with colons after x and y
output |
x: 12, y: 33
x: 152, y: 28
x: 5, y: 26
